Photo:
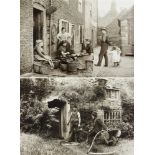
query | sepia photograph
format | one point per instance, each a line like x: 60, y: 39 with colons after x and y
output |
x: 77, y: 116
x: 83, y: 38
x: 76, y: 77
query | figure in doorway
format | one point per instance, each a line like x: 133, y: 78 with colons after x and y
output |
x: 62, y: 36
x: 87, y: 47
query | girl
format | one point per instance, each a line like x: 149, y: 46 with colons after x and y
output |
x: 116, y: 52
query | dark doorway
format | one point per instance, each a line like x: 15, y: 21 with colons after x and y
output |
x: 37, y: 25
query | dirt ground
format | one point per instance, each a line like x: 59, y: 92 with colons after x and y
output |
x: 35, y: 145
x: 126, y: 68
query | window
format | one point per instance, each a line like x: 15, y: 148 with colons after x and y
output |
x: 80, y: 5
x: 65, y: 24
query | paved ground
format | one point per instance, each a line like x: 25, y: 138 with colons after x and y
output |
x: 126, y: 68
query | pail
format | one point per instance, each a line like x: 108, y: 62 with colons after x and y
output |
x: 63, y: 67
x: 72, y: 67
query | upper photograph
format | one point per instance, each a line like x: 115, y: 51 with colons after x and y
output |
x: 77, y: 38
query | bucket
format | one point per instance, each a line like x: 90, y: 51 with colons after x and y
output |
x: 63, y: 67
x: 72, y: 67
x: 56, y: 63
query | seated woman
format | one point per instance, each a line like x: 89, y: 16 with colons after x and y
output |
x: 64, y: 52
x: 87, y: 47
x: 40, y: 55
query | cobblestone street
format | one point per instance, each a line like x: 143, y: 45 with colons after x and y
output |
x: 126, y: 68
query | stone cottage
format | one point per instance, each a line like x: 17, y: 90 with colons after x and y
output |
x: 109, y: 109
x: 43, y: 19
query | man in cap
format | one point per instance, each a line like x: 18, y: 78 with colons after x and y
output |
x: 98, y: 125
x: 104, y: 47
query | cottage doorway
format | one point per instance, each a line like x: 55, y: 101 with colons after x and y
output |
x: 62, y: 129
x: 37, y: 25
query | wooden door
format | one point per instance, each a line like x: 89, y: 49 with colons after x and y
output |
x: 37, y: 25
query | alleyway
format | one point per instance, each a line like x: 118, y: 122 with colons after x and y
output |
x: 126, y: 68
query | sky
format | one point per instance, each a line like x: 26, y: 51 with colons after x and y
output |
x: 104, y: 5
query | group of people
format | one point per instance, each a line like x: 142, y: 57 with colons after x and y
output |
x: 64, y: 49
x: 115, y: 51
x: 98, y: 125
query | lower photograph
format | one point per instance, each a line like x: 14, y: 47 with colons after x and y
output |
x: 77, y: 116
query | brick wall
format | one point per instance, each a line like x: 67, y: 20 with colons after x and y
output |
x: 26, y: 35
x: 26, y: 32
x: 68, y: 11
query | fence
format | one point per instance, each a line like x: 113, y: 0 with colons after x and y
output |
x: 111, y: 116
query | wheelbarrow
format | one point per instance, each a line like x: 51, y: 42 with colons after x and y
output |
x: 100, y: 153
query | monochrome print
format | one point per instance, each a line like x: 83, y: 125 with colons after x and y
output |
x: 77, y: 77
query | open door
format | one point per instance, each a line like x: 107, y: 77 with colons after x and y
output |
x: 63, y: 115
x: 37, y: 25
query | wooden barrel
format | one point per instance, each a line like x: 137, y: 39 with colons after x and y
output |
x: 72, y: 67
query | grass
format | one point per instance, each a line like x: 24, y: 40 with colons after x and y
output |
x: 35, y: 145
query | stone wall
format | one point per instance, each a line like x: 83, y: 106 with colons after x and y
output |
x: 127, y: 33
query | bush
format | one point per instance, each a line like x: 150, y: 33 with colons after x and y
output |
x: 34, y: 118
x: 127, y: 129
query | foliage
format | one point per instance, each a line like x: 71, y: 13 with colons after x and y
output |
x: 35, y: 118
x: 127, y: 129
x: 128, y: 111
x: 99, y: 92
x: 38, y: 87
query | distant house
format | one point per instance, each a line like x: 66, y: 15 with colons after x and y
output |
x: 121, y: 31
x: 127, y: 32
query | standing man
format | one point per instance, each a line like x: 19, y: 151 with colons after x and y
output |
x: 104, y: 47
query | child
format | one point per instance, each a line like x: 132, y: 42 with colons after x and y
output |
x: 74, y: 121
x: 116, y: 52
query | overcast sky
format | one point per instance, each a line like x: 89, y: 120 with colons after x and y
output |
x: 104, y: 5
